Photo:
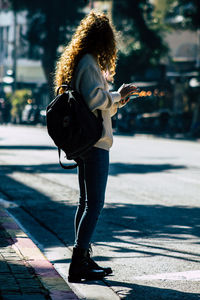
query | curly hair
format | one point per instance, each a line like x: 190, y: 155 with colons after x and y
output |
x: 94, y: 35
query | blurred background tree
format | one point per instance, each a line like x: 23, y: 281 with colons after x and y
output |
x: 141, y: 45
x: 18, y: 101
x: 50, y: 25
x: 145, y: 28
x: 144, y: 24
x: 185, y: 14
x: 147, y: 43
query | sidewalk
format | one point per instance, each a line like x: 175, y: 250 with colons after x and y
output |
x: 25, y: 273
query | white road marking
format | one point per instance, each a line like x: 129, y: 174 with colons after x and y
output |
x: 188, y: 276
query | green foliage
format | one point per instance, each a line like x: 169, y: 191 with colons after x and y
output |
x: 141, y: 41
x: 18, y: 101
x: 184, y: 14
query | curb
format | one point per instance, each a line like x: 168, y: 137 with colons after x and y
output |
x: 50, y: 279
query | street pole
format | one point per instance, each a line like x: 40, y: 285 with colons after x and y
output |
x: 91, y: 4
x: 15, y: 51
x: 198, y: 49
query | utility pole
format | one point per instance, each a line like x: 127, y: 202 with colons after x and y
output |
x: 15, y: 50
x: 198, y: 50
x: 91, y: 4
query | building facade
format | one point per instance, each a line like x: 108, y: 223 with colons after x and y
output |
x: 17, y: 69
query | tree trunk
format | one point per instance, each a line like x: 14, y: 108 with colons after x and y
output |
x: 50, y: 46
x: 48, y: 67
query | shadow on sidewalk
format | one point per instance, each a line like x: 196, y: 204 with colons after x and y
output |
x: 5, y: 239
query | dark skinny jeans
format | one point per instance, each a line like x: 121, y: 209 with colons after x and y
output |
x: 92, y: 175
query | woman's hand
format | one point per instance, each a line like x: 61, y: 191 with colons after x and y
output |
x: 127, y: 89
x: 125, y: 100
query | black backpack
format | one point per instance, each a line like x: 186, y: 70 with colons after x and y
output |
x: 71, y: 124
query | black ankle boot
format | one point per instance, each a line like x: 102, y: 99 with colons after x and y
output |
x: 94, y: 265
x: 81, y: 269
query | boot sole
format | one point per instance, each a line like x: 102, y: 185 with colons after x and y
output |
x: 108, y: 271
x: 94, y: 265
x: 77, y: 279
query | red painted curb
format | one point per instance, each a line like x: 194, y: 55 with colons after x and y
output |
x: 43, y: 269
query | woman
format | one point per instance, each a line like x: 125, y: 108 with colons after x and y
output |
x: 86, y: 64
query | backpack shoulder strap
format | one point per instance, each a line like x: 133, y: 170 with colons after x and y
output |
x: 64, y: 166
x: 64, y: 85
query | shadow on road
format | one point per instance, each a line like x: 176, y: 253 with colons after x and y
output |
x: 145, y: 292
x: 27, y: 147
x: 133, y: 222
x: 121, y: 168
x: 136, y: 221
x: 114, y: 169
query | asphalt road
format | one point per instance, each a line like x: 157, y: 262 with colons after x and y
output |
x: 150, y: 227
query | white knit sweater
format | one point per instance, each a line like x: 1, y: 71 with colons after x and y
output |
x: 89, y: 81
